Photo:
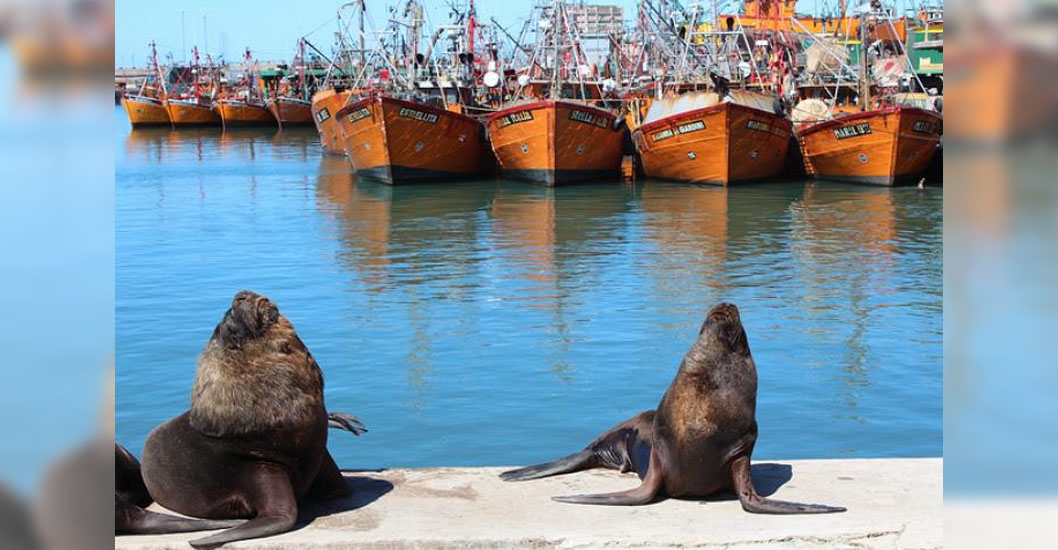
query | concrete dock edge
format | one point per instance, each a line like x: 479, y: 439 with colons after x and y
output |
x: 892, y: 503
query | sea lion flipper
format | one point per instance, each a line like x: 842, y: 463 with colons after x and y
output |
x: 329, y: 482
x: 345, y: 421
x: 276, y: 506
x: 572, y: 463
x: 643, y: 494
x: 133, y: 520
x: 754, y: 503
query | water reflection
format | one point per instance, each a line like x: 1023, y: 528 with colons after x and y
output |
x: 493, y: 311
x: 410, y: 240
x: 555, y: 243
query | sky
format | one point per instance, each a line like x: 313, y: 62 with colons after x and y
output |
x: 270, y: 28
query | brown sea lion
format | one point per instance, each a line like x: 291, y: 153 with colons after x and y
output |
x: 254, y: 442
x: 699, y: 440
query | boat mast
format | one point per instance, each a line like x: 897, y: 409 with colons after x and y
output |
x: 157, y: 70
x: 865, y: 86
x: 556, y: 77
x: 363, y: 52
x: 194, y: 67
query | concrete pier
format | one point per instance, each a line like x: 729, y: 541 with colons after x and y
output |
x: 892, y: 503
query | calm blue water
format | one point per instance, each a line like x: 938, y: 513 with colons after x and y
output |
x: 497, y: 323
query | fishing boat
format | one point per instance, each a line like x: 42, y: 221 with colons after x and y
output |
x: 887, y: 146
x: 146, y: 107
x: 193, y: 106
x: 291, y: 111
x: 192, y: 111
x: 244, y: 105
x: 244, y: 111
x: 556, y: 129
x: 144, y: 110
x: 554, y: 142
x: 397, y: 141
x: 289, y: 91
x: 703, y: 138
x: 325, y: 104
x: 882, y: 141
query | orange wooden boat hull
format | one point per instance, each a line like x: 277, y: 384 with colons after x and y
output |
x: 720, y: 144
x: 556, y: 142
x: 883, y: 147
x: 291, y: 111
x: 145, y: 111
x: 396, y: 141
x: 188, y: 113
x: 234, y: 112
x: 325, y: 104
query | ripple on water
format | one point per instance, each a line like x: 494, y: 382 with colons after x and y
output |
x: 461, y: 321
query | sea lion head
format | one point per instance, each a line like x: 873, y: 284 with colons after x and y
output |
x: 250, y: 317
x: 723, y: 330
x: 255, y: 374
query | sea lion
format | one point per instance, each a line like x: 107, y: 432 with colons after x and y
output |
x: 699, y: 440
x: 254, y: 442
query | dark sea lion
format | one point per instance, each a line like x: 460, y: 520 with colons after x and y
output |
x: 254, y: 442
x: 699, y: 440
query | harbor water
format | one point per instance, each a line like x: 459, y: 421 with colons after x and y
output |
x: 501, y: 323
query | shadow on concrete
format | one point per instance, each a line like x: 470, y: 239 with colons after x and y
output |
x: 769, y: 476
x: 365, y: 491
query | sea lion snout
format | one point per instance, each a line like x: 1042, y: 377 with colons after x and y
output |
x: 725, y: 312
x: 250, y: 315
x: 724, y: 324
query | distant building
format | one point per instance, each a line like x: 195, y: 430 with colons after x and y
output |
x: 591, y: 19
x: 595, y: 26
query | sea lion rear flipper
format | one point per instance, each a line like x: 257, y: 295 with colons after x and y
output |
x: 131, y: 519
x: 276, y: 505
x: 572, y: 463
x: 754, y: 503
x: 345, y: 421
x: 643, y: 494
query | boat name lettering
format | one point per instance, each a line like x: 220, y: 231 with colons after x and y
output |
x: 322, y: 115
x: 587, y: 118
x: 853, y: 130
x: 662, y: 135
x: 757, y: 125
x: 924, y: 127
x: 417, y: 115
x: 359, y: 114
x: 514, y: 118
x: 691, y: 127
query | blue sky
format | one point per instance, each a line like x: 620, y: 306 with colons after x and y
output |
x: 271, y: 27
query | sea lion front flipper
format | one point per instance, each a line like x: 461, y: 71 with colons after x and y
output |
x: 329, y: 482
x: 133, y: 520
x: 345, y: 421
x: 643, y: 494
x: 276, y: 506
x: 754, y: 503
x: 572, y: 463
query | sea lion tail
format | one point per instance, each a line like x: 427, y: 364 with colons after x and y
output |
x: 756, y: 504
x: 572, y: 463
x: 347, y: 422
